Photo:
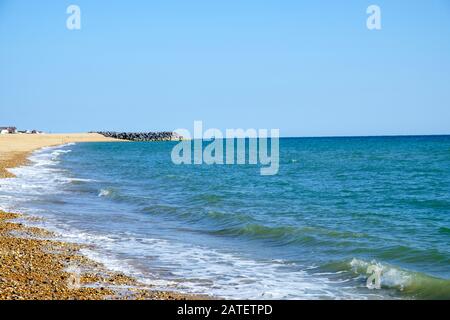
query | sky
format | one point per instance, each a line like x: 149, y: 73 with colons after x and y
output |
x: 308, y: 68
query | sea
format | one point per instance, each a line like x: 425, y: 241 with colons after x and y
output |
x: 338, y: 209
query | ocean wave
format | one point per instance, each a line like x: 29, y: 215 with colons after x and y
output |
x: 40, y: 175
x: 200, y: 269
x: 80, y: 180
x: 107, y: 192
x: 115, y: 194
x: 55, y: 154
x: 408, y: 254
x: 406, y: 283
x: 226, y: 217
x: 287, y: 234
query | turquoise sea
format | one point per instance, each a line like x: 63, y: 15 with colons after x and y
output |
x: 336, y: 207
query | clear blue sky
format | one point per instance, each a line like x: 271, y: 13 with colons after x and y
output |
x: 309, y: 68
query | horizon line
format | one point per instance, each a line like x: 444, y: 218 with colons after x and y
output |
x: 287, y: 137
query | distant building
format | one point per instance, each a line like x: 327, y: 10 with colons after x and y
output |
x: 8, y: 130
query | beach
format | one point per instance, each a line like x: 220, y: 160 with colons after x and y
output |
x: 33, y: 266
x: 138, y: 226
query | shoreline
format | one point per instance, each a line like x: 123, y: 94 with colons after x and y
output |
x: 35, y: 266
x: 16, y: 148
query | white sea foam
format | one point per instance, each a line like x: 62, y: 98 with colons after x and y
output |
x: 104, y: 192
x: 390, y: 277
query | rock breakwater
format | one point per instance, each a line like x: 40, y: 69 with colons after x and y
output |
x: 142, y: 136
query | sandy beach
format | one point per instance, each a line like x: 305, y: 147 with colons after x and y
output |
x: 14, y: 148
x: 33, y: 266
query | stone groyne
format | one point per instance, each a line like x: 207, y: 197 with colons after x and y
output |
x: 142, y: 136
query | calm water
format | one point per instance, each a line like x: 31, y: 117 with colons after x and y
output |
x: 337, y: 206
